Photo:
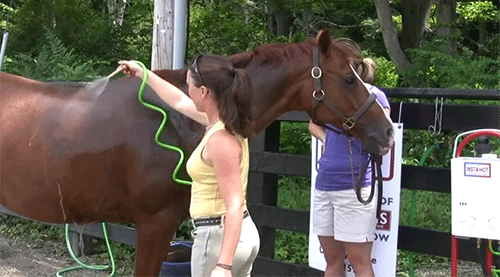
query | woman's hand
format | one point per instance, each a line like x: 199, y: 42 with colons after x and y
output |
x: 131, y: 68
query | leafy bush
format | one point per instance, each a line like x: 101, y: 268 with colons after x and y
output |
x: 224, y: 28
x: 54, y: 62
x: 295, y: 138
x: 386, y: 75
x: 434, y: 67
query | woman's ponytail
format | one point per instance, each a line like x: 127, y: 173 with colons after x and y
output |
x: 366, y: 70
x: 235, y: 106
x: 231, y: 88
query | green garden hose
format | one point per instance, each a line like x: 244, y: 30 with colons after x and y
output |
x: 81, y: 264
x: 162, y: 126
x: 414, y: 200
x: 174, y: 177
x: 496, y: 253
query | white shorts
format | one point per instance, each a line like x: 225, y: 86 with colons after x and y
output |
x: 341, y: 215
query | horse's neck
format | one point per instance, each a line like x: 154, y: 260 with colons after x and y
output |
x: 274, y: 94
x: 175, y: 77
x: 188, y: 129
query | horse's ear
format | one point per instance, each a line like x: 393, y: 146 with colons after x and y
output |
x: 324, y: 41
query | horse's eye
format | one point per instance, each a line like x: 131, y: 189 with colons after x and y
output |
x: 350, y: 79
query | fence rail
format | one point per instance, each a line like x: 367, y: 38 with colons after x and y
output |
x: 266, y: 163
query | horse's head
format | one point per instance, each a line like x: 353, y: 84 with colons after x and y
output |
x: 341, y: 98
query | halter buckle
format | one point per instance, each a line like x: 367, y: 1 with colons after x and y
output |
x: 321, y: 96
x: 348, y: 123
x: 318, y: 74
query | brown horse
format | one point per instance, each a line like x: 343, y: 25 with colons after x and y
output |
x: 68, y: 157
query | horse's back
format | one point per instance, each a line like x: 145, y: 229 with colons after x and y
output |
x: 82, y: 159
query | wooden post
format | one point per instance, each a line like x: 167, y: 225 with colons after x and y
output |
x: 163, y: 34
x: 263, y: 187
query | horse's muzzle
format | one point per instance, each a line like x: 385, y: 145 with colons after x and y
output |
x: 380, y: 142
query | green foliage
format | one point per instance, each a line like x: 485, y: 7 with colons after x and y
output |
x: 85, y: 27
x: 478, y: 11
x: 436, y: 216
x: 5, y: 12
x: 433, y: 67
x: 224, y: 28
x: 290, y: 247
x: 184, y: 230
x: 295, y: 138
x: 37, y: 232
x: 294, y: 192
x: 416, y: 143
x: 386, y: 76
x: 137, y: 32
x: 54, y: 62
x: 419, y: 260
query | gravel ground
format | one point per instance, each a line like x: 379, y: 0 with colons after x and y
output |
x: 20, y: 259
x: 465, y: 269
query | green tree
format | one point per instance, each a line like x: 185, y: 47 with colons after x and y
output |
x: 225, y: 28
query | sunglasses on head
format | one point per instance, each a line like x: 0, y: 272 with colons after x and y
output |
x: 197, y: 71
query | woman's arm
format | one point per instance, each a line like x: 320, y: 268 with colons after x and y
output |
x: 317, y: 131
x: 224, y: 150
x: 170, y: 94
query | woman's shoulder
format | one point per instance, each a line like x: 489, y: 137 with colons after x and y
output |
x: 224, y: 142
x: 376, y: 90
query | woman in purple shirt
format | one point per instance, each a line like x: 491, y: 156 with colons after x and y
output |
x: 344, y: 225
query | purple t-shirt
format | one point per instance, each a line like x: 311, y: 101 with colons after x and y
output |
x: 335, y: 169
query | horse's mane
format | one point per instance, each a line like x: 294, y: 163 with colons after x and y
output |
x: 276, y: 54
x: 273, y: 54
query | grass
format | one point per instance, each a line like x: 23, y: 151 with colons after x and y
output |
x: 39, y: 234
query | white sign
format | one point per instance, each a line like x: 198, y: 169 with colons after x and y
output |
x: 475, y: 186
x: 384, y: 252
x: 477, y: 169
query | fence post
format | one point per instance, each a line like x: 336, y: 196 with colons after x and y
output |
x: 83, y: 247
x: 263, y: 187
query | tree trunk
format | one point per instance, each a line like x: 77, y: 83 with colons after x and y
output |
x: 446, y: 16
x: 281, y: 18
x: 116, y: 9
x: 483, y: 35
x: 390, y: 35
x: 415, y: 15
x: 163, y: 34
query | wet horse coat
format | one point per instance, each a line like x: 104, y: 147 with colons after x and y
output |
x: 68, y: 157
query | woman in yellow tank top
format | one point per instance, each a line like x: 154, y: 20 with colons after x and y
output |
x: 226, y: 241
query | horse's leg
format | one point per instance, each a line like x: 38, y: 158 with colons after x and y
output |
x: 154, y: 233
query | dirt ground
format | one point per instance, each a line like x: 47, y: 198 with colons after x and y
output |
x: 18, y: 258
x: 465, y: 269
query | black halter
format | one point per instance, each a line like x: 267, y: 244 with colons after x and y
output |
x: 319, y: 96
x: 347, y: 124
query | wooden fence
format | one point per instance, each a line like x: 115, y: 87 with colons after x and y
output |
x: 266, y: 163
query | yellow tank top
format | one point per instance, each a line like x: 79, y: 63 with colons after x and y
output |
x: 206, y: 199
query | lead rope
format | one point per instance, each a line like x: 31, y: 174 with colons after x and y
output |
x: 351, y: 158
x: 362, y: 172
x: 174, y: 177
